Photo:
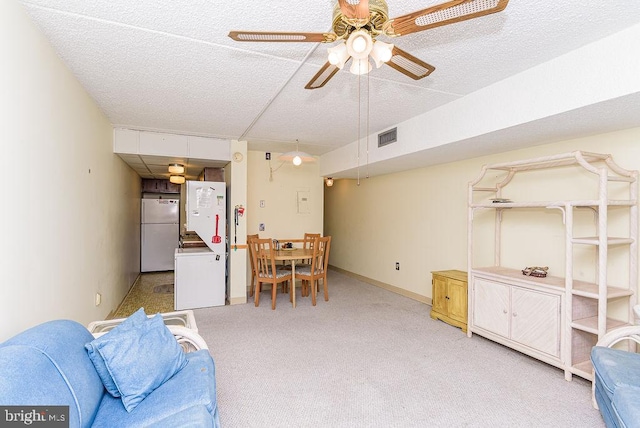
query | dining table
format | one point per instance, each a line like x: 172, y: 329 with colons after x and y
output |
x: 293, y: 254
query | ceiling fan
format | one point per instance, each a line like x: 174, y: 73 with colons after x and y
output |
x: 357, y: 24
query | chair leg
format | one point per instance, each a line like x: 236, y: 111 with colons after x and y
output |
x: 252, y: 289
x: 274, y: 287
x: 257, y: 295
x: 326, y: 290
x: 312, y: 286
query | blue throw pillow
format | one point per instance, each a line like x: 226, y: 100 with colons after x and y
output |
x: 139, y: 358
x: 138, y: 318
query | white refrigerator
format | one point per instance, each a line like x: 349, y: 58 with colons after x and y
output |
x: 159, y: 234
x: 200, y: 273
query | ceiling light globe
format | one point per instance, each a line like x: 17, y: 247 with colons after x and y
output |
x: 297, y: 160
x: 338, y: 55
x: 385, y: 55
x: 359, y: 44
x: 381, y: 53
x: 360, y: 66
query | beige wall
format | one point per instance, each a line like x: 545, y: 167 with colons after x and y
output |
x: 280, y: 213
x: 236, y: 177
x: 419, y: 217
x: 70, y: 215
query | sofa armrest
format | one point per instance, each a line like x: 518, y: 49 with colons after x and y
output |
x: 187, y: 338
x: 631, y: 333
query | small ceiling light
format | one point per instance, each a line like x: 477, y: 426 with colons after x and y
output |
x: 177, y: 179
x: 297, y: 157
x: 329, y: 181
x: 176, y: 168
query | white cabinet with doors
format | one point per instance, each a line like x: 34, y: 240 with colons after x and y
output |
x: 523, y: 316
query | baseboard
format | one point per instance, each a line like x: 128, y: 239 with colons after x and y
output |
x: 414, y: 296
x: 238, y: 300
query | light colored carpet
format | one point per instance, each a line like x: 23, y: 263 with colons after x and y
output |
x: 372, y: 358
x: 152, y: 291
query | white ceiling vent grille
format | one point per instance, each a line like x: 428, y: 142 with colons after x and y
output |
x: 387, y: 137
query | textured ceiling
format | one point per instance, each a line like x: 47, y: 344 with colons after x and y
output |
x: 168, y: 65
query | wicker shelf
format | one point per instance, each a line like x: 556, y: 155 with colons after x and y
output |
x: 583, y: 305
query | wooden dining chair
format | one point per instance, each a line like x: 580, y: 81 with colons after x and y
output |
x: 266, y: 270
x: 253, y: 268
x: 309, y: 242
x: 312, y: 273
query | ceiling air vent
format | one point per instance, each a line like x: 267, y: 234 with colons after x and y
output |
x: 388, y: 137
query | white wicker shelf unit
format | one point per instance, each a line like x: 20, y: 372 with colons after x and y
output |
x: 555, y: 319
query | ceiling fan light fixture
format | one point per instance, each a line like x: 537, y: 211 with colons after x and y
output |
x: 357, y: 23
x: 381, y: 52
x: 296, y: 157
x: 359, y: 44
x: 338, y: 55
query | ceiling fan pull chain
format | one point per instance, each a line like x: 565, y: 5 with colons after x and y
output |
x: 368, y: 115
x: 359, y: 108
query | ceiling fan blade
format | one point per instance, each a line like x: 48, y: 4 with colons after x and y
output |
x: 322, y: 76
x: 270, y: 36
x: 409, y: 65
x: 354, y: 8
x: 442, y: 14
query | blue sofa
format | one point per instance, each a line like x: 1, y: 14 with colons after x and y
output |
x: 48, y: 365
x: 617, y: 379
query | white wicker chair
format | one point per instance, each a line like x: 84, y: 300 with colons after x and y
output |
x: 188, y: 339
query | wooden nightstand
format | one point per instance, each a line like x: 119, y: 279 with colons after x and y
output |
x: 449, y: 297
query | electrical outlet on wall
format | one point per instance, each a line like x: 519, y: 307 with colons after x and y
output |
x: 98, y: 299
x: 397, y: 265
